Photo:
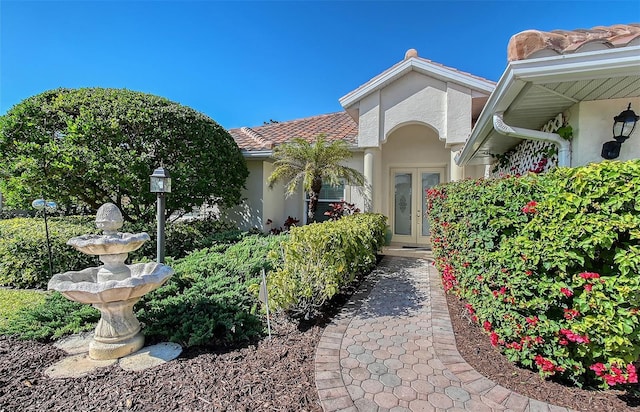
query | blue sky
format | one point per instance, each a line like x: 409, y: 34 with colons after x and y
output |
x: 243, y: 63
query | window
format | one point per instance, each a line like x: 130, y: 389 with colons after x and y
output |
x: 328, y: 194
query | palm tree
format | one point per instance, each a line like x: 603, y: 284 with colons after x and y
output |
x: 312, y: 164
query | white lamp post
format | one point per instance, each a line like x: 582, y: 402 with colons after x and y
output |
x: 160, y: 184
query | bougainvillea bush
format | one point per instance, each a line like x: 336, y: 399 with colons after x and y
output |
x: 549, y: 265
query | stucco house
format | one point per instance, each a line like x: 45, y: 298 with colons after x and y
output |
x: 404, y: 125
x: 420, y: 123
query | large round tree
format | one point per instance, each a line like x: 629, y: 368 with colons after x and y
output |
x: 85, y: 147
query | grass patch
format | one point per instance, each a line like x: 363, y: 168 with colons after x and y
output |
x: 13, y: 300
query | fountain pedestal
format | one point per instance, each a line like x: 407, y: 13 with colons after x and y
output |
x: 118, y: 331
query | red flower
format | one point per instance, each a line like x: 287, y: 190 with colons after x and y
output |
x: 533, y: 321
x: 486, y: 325
x: 567, y: 292
x: 469, y: 308
x: 530, y: 207
x: 588, y: 287
x: 598, y: 368
x: 589, y: 275
x: 546, y: 365
x: 633, y: 374
x: 573, y: 337
x: 494, y: 339
x: 570, y: 314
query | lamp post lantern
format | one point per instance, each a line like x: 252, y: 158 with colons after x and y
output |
x: 160, y: 184
x: 41, y: 204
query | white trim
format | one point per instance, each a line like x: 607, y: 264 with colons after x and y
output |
x: 256, y: 154
x: 421, y: 66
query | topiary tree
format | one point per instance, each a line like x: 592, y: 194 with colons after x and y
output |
x: 85, y: 147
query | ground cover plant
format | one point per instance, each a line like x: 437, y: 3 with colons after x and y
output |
x: 549, y: 265
x: 11, y: 301
x: 205, y: 303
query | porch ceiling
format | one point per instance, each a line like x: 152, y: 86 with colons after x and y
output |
x: 532, y: 92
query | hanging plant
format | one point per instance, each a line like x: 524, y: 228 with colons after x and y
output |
x: 566, y: 132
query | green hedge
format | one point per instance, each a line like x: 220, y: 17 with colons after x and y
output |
x: 23, y: 247
x: 24, y: 260
x: 549, y: 265
x: 322, y: 259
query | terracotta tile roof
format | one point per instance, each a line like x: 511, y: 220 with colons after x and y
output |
x: 534, y: 43
x: 334, y: 126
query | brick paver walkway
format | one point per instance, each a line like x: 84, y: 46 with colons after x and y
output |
x: 392, y: 348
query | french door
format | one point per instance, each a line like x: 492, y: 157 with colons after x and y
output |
x: 409, y: 222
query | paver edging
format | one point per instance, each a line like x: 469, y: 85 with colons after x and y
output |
x: 327, y: 358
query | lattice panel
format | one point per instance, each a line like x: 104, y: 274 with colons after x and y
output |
x: 531, y: 155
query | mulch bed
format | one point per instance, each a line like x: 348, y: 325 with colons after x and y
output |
x: 475, y: 347
x: 274, y: 375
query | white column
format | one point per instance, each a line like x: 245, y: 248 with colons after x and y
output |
x: 369, y: 165
x: 455, y: 172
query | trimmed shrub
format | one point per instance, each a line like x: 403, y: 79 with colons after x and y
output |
x: 184, y: 236
x: 549, y: 265
x: 24, y: 261
x: 322, y: 259
x: 57, y: 316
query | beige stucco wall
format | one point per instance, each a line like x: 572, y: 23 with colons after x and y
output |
x: 415, y: 98
x: 592, y: 123
x: 248, y: 214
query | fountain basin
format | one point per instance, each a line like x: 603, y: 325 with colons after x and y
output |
x: 113, y: 244
x: 117, y: 333
x: 83, y: 286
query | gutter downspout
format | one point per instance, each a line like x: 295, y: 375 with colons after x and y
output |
x: 564, y: 146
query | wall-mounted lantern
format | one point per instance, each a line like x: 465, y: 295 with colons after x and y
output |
x: 160, y: 184
x: 623, y: 126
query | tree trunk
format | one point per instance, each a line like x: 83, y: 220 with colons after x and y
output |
x: 314, y: 195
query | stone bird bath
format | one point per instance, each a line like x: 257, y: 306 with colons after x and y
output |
x: 114, y: 287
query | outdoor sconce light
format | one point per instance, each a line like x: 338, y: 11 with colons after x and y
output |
x: 160, y: 184
x: 623, y: 125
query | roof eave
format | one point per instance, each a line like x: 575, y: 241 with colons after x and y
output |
x: 257, y: 154
x: 587, y: 65
x: 421, y: 66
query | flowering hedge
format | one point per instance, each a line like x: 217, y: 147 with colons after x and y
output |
x: 549, y: 265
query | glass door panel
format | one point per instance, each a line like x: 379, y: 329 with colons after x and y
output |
x: 409, y: 203
x: 403, y: 205
x: 429, y: 179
